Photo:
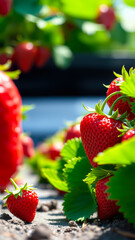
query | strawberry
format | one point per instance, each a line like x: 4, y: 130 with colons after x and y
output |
x: 54, y: 150
x: 98, y: 132
x: 106, y: 208
x: 42, y: 56
x: 122, y: 106
x: 22, y: 202
x: 72, y: 132
x: 10, y: 129
x: 25, y: 54
x: 28, y: 146
x: 5, y: 6
x: 106, y: 16
x: 129, y: 134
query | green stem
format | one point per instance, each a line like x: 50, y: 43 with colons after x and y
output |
x: 14, y: 184
x: 112, y: 107
x: 107, y: 98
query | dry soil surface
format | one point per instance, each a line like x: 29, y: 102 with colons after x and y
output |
x: 51, y: 224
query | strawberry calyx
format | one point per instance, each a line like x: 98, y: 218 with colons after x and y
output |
x: 99, y: 108
x: 18, y: 190
x: 12, y: 74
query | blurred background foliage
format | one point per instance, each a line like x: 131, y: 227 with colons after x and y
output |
x: 66, y: 27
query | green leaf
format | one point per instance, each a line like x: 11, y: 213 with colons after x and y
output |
x: 73, y: 148
x: 79, y: 205
x: 14, y: 74
x: 55, y: 178
x: 75, y: 171
x: 97, y: 174
x: 62, y: 56
x: 120, y: 154
x: 128, y: 86
x: 130, y: 3
x: 31, y: 7
x: 122, y: 188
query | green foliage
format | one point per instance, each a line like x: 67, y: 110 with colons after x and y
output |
x: 79, y: 205
x: 122, y: 188
x: 128, y: 85
x: 73, y: 148
x: 62, y: 56
x: 31, y: 7
x: 120, y: 154
x: 130, y: 3
x: 55, y: 178
x: 97, y: 174
x: 75, y: 171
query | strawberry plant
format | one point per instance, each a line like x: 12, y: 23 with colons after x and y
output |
x: 101, y: 184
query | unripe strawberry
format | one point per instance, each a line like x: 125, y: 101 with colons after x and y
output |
x: 106, y: 208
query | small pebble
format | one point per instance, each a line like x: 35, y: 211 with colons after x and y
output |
x: 72, y: 224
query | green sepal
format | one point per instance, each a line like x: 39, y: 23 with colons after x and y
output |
x: 5, y: 66
x: 91, y: 110
x: 14, y: 74
x: 115, y: 114
x: 18, y: 190
x: 125, y: 74
x: 117, y: 75
x: 106, y: 86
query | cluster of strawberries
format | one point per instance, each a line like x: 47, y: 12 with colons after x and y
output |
x: 25, y: 55
x: 100, y: 131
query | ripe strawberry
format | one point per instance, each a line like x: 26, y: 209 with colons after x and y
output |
x: 5, y: 6
x: 10, y: 129
x: 106, y: 16
x: 106, y: 208
x: 28, y: 146
x: 22, y: 202
x: 120, y: 105
x: 129, y: 134
x: 25, y: 54
x: 52, y: 150
x: 73, y: 132
x: 98, y: 132
x: 42, y: 56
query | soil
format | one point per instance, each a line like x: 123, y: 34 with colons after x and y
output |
x: 51, y: 224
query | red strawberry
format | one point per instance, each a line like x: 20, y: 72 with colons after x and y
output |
x: 54, y: 150
x: 43, y: 54
x: 28, y: 146
x: 129, y: 134
x: 106, y: 16
x: 106, y: 208
x: 73, y: 132
x: 10, y: 129
x: 120, y: 105
x: 22, y: 202
x: 98, y: 132
x: 51, y: 151
x: 5, y: 6
x: 25, y: 54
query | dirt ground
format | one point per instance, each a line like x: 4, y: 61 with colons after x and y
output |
x: 51, y: 224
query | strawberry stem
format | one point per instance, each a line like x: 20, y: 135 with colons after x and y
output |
x: 14, y: 184
x: 107, y: 98
x: 112, y: 107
